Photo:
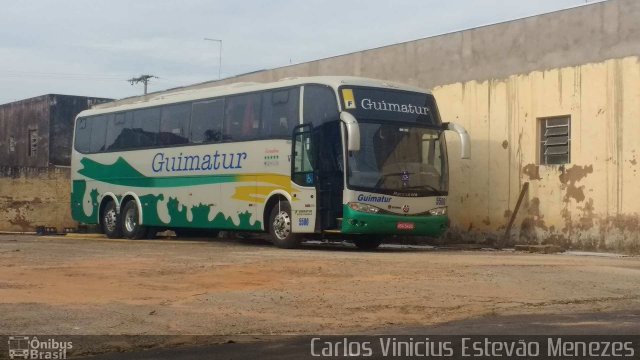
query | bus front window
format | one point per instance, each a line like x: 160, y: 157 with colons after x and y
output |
x: 398, y: 159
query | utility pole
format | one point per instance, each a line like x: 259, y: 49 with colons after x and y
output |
x: 220, y: 55
x: 142, y: 79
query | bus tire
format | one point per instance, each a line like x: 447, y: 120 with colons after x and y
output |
x: 368, y: 243
x: 110, y: 221
x: 280, y: 227
x: 131, y: 228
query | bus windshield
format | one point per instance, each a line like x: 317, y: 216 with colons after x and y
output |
x: 399, y: 160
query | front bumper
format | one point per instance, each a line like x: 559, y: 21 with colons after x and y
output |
x: 356, y: 222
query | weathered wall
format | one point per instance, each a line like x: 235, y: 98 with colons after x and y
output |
x: 52, y: 117
x: 34, y: 190
x: 31, y: 197
x: 16, y: 120
x: 590, y: 203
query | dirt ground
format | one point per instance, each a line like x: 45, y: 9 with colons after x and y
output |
x: 61, y: 285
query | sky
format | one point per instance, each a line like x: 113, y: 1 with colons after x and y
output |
x: 91, y: 48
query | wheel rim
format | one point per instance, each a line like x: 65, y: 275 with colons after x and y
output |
x: 110, y: 220
x: 130, y: 220
x: 282, y: 225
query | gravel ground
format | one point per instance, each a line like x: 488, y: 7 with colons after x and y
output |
x: 76, y: 285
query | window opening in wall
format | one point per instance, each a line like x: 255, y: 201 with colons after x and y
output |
x: 33, y: 142
x: 12, y: 143
x: 555, y: 140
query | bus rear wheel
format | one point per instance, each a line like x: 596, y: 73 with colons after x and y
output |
x: 110, y: 221
x: 280, y: 227
x: 368, y: 243
x: 131, y: 228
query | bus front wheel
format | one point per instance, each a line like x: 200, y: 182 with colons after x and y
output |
x: 110, y: 221
x: 131, y: 227
x: 280, y: 227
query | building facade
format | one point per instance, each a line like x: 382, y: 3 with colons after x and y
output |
x: 35, y: 154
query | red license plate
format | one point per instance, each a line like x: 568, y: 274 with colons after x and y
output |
x: 405, y: 226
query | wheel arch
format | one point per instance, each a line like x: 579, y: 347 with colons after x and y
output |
x: 273, y: 198
x: 106, y: 198
x: 131, y: 196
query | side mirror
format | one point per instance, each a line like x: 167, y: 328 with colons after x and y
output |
x: 465, y: 141
x: 353, y: 131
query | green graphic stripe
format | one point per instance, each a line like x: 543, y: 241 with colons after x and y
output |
x: 121, y: 173
x: 177, y: 212
x: 200, y: 218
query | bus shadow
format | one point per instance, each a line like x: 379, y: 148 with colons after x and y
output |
x: 312, y: 245
x: 338, y: 246
x: 349, y: 247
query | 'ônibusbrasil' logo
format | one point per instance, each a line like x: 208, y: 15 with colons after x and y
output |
x: 25, y: 347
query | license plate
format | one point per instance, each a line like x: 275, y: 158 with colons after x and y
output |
x: 405, y: 226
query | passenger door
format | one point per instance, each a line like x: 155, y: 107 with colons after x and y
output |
x: 303, y: 176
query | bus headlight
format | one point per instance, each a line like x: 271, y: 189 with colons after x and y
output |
x: 366, y: 208
x: 441, y: 211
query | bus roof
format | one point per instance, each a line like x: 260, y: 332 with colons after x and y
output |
x: 187, y: 94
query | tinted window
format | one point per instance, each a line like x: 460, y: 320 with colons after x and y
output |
x: 145, y: 127
x: 320, y: 104
x: 116, y: 128
x: 174, y: 124
x: 98, y: 132
x: 280, y: 112
x: 206, y: 121
x: 83, y: 135
x: 242, y: 117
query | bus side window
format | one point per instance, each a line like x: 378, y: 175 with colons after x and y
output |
x: 98, y: 133
x: 242, y: 117
x: 303, y: 160
x: 206, y: 121
x: 145, y: 127
x: 280, y: 113
x: 174, y: 124
x: 83, y: 135
x: 116, y: 132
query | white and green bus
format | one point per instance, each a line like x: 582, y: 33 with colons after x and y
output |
x: 317, y: 157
